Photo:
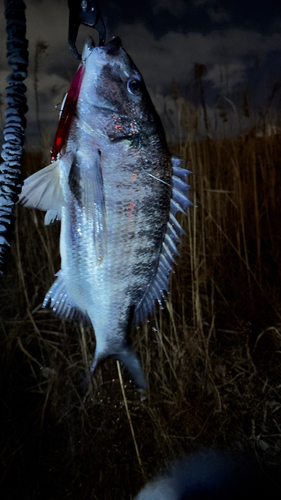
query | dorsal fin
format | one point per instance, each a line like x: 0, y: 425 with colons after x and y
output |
x: 179, y: 202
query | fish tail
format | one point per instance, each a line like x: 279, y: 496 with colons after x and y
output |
x: 94, y: 364
x: 126, y: 356
x: 129, y: 360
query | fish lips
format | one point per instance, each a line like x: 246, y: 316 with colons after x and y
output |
x: 111, y: 48
x: 89, y: 43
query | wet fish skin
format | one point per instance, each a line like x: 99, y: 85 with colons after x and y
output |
x: 112, y: 190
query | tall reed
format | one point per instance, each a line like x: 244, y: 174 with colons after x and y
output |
x: 212, y: 355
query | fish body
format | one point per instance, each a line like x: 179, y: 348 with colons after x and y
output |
x: 116, y: 191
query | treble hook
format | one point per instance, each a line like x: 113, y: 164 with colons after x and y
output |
x: 84, y: 12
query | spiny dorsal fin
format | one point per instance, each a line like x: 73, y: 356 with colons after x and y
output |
x: 179, y: 202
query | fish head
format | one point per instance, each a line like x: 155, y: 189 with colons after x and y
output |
x: 113, y: 96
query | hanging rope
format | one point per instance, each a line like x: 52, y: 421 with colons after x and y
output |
x: 14, y: 132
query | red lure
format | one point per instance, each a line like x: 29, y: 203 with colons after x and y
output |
x: 67, y: 114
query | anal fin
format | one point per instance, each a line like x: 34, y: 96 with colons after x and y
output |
x: 61, y: 304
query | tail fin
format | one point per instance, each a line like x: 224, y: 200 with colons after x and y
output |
x: 129, y: 360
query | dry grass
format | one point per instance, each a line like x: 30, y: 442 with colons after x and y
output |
x: 212, y: 356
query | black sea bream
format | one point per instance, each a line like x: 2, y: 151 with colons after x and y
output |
x: 116, y: 190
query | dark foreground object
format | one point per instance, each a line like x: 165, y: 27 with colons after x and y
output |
x: 211, y: 475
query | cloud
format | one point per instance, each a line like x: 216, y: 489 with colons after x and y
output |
x: 200, y: 2
x: 176, y: 7
x: 226, y: 76
x: 172, y: 57
x: 218, y: 15
x: 228, y: 55
x: 51, y: 89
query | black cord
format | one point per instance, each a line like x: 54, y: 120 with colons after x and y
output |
x: 14, y: 132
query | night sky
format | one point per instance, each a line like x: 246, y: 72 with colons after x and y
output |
x: 239, y: 42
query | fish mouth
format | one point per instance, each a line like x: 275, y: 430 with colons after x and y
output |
x: 88, y: 49
x: 90, y: 44
x: 113, y: 47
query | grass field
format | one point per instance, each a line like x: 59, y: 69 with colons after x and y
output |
x: 212, y: 356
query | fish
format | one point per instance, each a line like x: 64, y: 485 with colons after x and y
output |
x: 116, y: 189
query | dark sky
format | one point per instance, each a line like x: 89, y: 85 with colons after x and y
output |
x: 202, y: 16
x: 239, y: 42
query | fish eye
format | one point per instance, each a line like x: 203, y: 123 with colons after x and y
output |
x: 134, y: 86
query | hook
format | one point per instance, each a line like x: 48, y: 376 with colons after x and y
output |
x: 84, y: 12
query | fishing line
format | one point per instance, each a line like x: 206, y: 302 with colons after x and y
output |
x: 156, y: 178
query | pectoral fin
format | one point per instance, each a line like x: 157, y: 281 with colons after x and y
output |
x: 42, y: 190
x: 86, y: 184
x: 51, y: 216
